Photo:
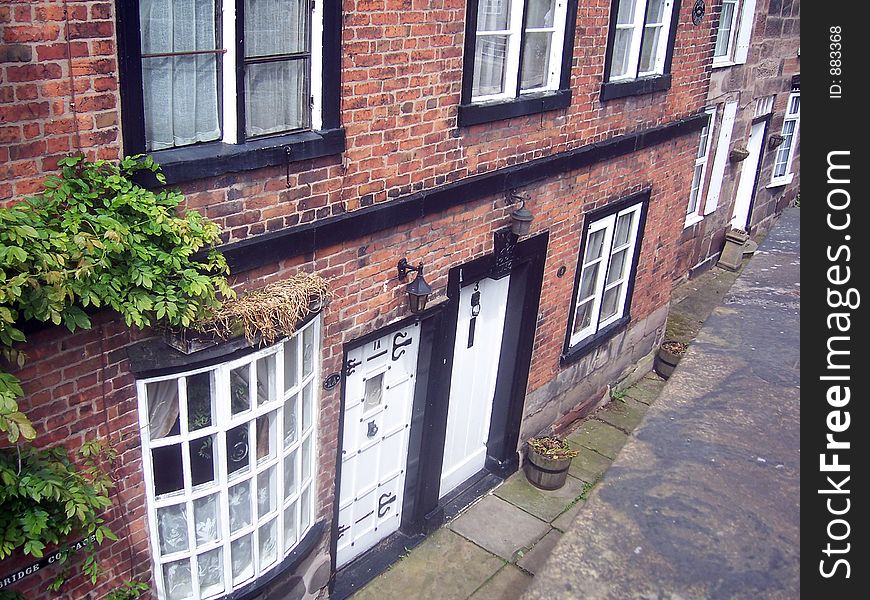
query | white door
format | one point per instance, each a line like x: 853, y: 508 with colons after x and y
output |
x: 479, y: 329
x: 743, y: 200
x: 379, y: 393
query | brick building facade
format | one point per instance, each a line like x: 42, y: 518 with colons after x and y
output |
x: 408, y: 148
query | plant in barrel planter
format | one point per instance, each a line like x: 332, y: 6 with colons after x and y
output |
x: 547, y: 461
x: 668, y: 356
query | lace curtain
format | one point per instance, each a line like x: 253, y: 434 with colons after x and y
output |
x: 180, y: 90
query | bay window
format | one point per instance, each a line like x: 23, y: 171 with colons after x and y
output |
x: 229, y: 462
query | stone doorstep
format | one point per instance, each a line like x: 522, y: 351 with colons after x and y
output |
x: 485, y: 524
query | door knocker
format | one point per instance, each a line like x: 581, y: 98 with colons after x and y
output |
x: 373, y: 429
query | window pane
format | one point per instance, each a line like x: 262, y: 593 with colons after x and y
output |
x: 621, y: 45
x: 290, y: 474
x: 693, y: 192
x: 172, y: 26
x: 583, y: 316
x: 536, y: 60
x: 794, y: 105
x: 266, y: 391
x: 649, y: 49
x: 199, y: 404
x: 625, y: 13
x: 490, y: 55
x: 163, y: 409
x: 242, y: 555
x: 237, y: 448
x: 493, y: 15
x: 240, y: 394
x: 210, y: 568
x: 275, y: 27
x: 608, y: 304
x: 723, y: 34
x: 290, y: 433
x: 176, y: 580
x: 206, y: 518
x: 307, y: 406
x: 276, y: 97
x: 540, y: 13
x: 587, y: 281
x: 594, y: 246
x: 374, y: 392
x: 617, y: 266
x: 168, y: 473
x: 267, y: 493
x: 306, y: 459
x: 172, y: 528
x: 180, y: 96
x: 623, y: 229
x: 307, y: 351
x: 290, y: 368
x: 289, y: 526
x: 267, y: 435
x: 202, y: 460
x: 268, y: 543
x: 705, y: 136
x: 655, y: 10
x: 305, y: 509
x: 240, y: 505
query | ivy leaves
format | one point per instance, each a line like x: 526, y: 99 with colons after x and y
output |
x: 94, y: 238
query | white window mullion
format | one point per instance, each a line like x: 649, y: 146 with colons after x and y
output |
x: 636, y: 39
x: 515, y: 39
x: 558, y: 46
x: 317, y: 65
x: 223, y: 413
x: 228, y: 75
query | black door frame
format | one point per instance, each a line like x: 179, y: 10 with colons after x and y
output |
x: 422, y: 510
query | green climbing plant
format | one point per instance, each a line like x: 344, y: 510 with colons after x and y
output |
x: 95, y: 238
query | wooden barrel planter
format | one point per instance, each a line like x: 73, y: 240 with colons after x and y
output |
x: 667, y: 357
x: 548, y: 472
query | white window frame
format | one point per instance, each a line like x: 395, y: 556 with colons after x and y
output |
x: 695, y: 213
x: 785, y: 152
x: 229, y: 100
x: 740, y: 34
x: 600, y: 286
x: 638, y: 26
x: 516, y: 35
x: 303, y: 498
x: 733, y: 27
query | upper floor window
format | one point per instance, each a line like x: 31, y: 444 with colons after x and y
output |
x: 222, y: 77
x: 782, y: 162
x: 694, y: 212
x: 605, y: 272
x: 199, y: 88
x: 641, y: 43
x: 734, y: 32
x: 515, y: 49
x: 229, y: 464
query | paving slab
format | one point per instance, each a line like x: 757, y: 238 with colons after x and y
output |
x: 599, y: 436
x: 499, y: 527
x: 544, y: 504
x: 563, y: 521
x: 589, y: 465
x: 647, y: 389
x: 445, y: 566
x: 623, y: 413
x: 704, y: 500
x: 533, y: 560
x: 508, y: 584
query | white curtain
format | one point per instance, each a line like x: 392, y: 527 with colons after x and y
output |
x: 162, y: 407
x: 180, y: 92
x: 275, y: 92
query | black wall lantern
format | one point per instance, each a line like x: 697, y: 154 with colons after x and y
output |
x: 418, y: 290
x: 521, y: 218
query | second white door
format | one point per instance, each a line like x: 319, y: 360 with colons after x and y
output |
x: 479, y: 329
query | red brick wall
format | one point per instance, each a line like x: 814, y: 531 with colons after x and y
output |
x: 79, y: 386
